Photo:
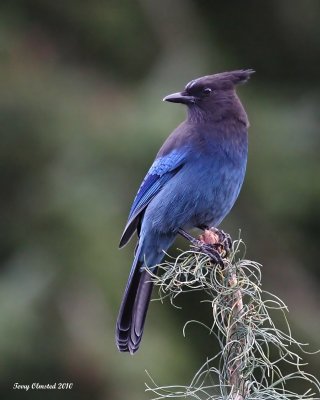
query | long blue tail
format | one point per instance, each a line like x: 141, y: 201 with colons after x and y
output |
x: 137, y: 294
x: 134, y: 307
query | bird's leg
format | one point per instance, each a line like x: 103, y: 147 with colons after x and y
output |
x: 189, y: 237
x: 209, y: 246
x: 195, y: 242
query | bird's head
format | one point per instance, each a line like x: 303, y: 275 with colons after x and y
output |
x: 212, y: 95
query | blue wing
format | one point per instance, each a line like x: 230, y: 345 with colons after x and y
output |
x: 161, y: 171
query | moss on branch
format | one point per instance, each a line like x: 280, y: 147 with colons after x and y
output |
x: 252, y: 349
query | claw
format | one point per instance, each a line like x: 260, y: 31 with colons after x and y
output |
x: 215, y: 243
x: 212, y: 252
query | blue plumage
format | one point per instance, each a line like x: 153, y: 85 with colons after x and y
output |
x: 193, y: 182
x: 162, y: 170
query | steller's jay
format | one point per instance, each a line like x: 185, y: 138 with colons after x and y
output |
x: 193, y: 182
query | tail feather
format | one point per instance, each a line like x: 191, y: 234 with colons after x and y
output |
x: 137, y: 294
x: 133, y: 309
x: 140, y: 311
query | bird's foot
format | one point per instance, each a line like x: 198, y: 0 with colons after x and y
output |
x: 213, y: 242
x: 212, y: 250
x: 218, y: 237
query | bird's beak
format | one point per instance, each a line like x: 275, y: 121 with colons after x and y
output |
x: 180, y: 97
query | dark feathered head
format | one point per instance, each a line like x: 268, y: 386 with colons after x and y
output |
x: 212, y: 95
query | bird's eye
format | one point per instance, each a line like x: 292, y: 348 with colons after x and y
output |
x: 206, y: 91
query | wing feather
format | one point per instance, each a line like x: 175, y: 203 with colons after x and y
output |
x: 161, y: 171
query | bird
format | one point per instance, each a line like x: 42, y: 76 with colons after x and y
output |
x: 193, y: 182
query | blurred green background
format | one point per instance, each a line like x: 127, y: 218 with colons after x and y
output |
x: 81, y: 121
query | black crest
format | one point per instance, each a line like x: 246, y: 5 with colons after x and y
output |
x: 223, y: 80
